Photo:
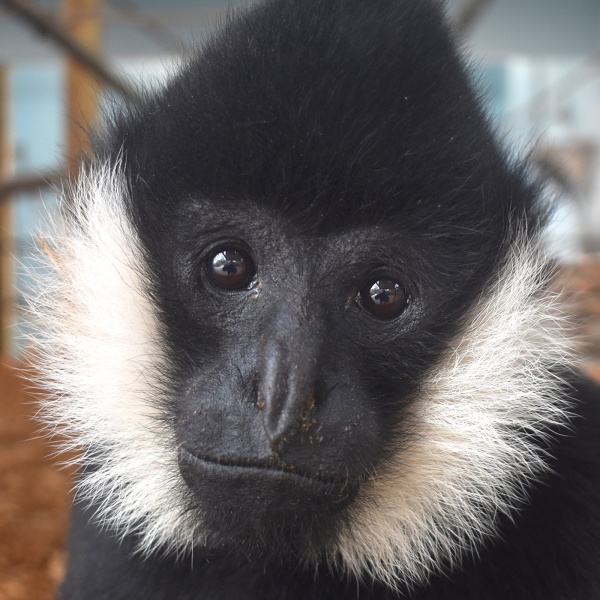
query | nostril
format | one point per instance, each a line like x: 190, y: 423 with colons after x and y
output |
x: 307, y: 413
x: 251, y: 391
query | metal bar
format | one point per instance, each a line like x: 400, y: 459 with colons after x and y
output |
x: 468, y: 16
x: 7, y: 293
x: 150, y: 24
x: 29, y: 183
x: 47, y: 26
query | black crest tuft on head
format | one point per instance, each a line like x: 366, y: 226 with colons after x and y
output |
x: 338, y: 111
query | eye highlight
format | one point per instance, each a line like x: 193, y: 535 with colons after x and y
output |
x: 230, y: 269
x: 383, y: 297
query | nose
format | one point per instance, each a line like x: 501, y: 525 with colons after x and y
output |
x: 287, y: 378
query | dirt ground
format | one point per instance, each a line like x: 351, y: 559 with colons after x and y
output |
x: 34, y: 501
x: 35, y: 496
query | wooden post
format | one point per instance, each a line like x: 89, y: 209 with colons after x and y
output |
x: 7, y: 287
x: 83, y: 20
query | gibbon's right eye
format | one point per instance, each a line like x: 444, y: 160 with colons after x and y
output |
x: 230, y: 269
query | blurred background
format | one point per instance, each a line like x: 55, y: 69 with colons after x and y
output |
x: 536, y: 61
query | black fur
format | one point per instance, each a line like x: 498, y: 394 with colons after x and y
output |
x: 332, y: 140
x: 549, y: 551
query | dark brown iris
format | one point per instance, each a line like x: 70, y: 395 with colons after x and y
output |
x: 383, y: 298
x: 230, y: 269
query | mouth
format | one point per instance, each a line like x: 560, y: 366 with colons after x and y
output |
x: 264, y: 501
x: 258, y: 468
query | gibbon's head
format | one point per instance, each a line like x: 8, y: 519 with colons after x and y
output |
x: 299, y: 307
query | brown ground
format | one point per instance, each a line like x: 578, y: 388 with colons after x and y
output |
x: 34, y: 501
x: 583, y: 282
x: 34, y: 494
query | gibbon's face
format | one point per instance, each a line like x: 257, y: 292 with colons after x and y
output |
x: 299, y: 304
x: 297, y: 356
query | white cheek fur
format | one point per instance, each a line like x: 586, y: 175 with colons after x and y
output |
x: 101, y: 357
x: 101, y: 360
x: 472, y: 455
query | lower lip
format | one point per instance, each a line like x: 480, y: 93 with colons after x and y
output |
x: 255, y: 470
x: 209, y: 478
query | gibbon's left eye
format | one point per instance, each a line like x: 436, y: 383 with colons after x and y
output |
x: 383, y: 298
x: 230, y: 269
